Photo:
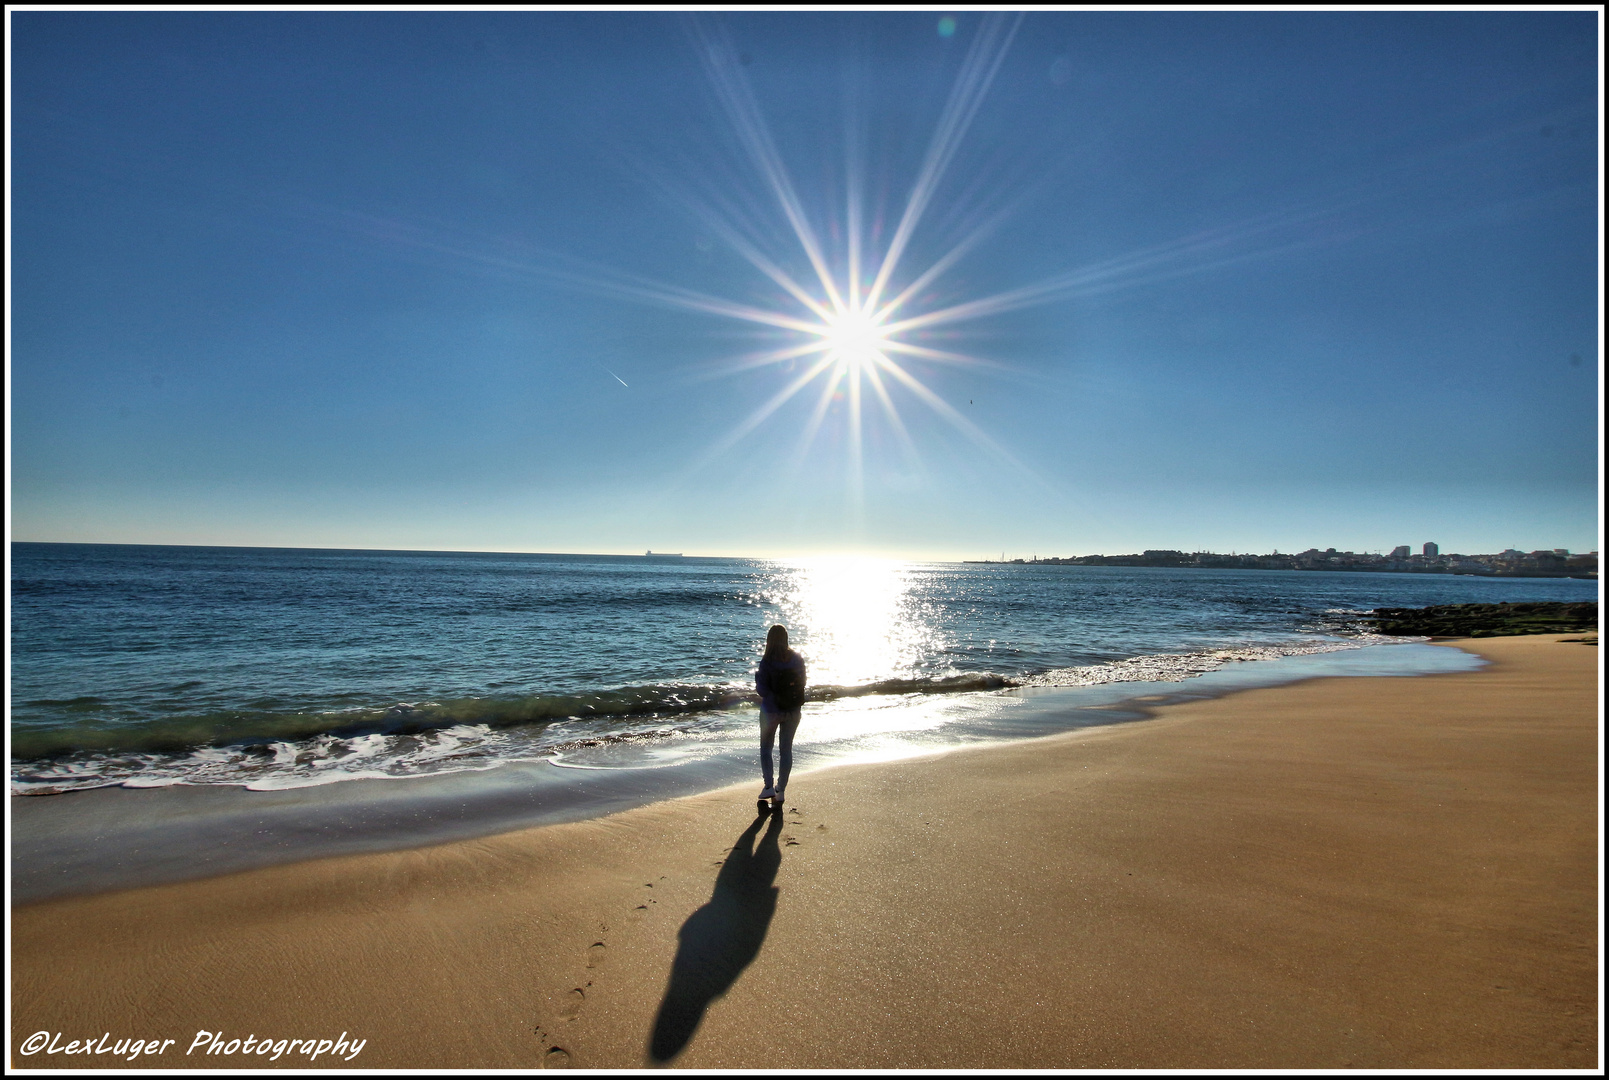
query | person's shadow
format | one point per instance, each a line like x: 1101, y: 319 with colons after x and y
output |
x: 721, y: 938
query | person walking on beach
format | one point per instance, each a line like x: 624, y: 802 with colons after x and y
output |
x: 780, y: 679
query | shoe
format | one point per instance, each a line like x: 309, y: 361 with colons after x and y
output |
x: 767, y: 794
x: 776, y: 801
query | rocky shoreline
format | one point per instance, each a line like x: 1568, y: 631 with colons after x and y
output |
x: 1486, y: 620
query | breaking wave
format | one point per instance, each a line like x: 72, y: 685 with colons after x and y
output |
x: 662, y: 724
x: 1176, y: 667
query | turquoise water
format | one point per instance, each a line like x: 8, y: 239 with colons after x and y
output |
x: 274, y: 668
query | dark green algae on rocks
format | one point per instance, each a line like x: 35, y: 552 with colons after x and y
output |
x: 1486, y: 620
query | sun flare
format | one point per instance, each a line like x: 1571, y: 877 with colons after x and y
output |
x: 854, y: 337
x: 861, y: 314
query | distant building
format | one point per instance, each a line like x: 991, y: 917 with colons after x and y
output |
x: 1563, y: 553
x: 1511, y: 563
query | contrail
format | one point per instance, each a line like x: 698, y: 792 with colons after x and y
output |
x: 619, y: 380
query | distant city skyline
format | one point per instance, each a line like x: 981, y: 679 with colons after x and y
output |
x: 784, y: 284
x: 1555, y: 563
x: 1035, y: 557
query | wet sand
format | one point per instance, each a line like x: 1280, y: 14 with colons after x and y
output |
x: 1368, y: 872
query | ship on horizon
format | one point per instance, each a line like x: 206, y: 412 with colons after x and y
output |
x: 664, y: 554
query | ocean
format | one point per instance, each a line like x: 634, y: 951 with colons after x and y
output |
x: 277, y: 669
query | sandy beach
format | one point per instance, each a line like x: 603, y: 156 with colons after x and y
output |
x: 1364, y: 872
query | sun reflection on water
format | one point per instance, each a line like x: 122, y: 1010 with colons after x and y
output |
x: 856, y: 620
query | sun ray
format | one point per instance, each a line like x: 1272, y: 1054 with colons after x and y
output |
x: 737, y: 97
x: 853, y: 170
x: 892, y: 414
x: 1186, y: 255
x: 946, y: 410
x: 758, y: 416
x: 757, y: 259
x: 677, y: 296
x: 761, y: 358
x: 928, y: 276
x: 852, y: 225
x: 857, y: 473
x: 978, y: 70
x: 725, y: 227
x: 818, y: 414
x: 960, y: 359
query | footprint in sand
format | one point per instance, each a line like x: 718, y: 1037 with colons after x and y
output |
x: 572, y: 1004
x: 553, y: 1057
x: 788, y: 841
x: 642, y: 909
x: 595, y: 954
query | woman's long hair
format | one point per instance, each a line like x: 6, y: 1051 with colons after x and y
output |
x: 776, y: 642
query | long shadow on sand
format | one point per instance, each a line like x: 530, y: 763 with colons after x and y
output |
x: 721, y: 938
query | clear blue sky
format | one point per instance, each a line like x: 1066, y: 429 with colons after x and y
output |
x: 417, y: 280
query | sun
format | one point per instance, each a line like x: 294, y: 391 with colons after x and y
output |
x: 862, y: 315
x: 854, y: 338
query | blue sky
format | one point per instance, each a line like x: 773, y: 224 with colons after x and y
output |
x: 422, y: 280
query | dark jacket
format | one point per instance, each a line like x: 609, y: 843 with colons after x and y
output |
x: 762, y: 680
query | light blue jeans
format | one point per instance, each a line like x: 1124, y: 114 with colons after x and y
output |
x: 769, y: 723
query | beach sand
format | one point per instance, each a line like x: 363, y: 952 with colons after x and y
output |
x: 1369, y: 872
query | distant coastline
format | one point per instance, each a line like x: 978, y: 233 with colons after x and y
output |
x: 1509, y: 564
x: 1557, y: 563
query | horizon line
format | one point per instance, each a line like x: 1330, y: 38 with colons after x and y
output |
x: 650, y: 554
